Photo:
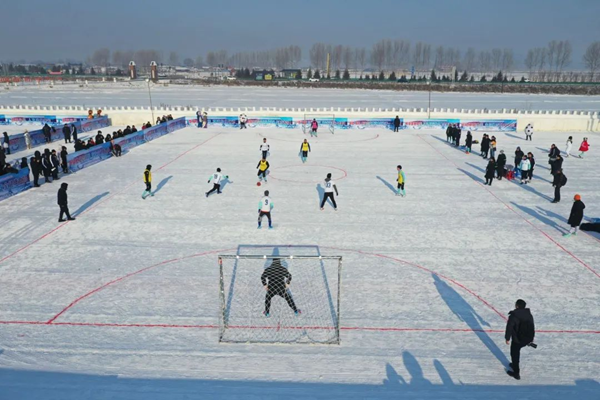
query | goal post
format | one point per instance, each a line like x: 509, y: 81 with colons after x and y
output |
x: 279, y: 299
x: 325, y: 121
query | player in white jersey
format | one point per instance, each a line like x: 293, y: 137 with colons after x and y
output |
x: 216, y: 179
x: 264, y: 147
x: 330, y: 187
x: 264, y: 209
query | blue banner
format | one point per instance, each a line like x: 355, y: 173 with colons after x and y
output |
x: 12, y: 184
x: 499, y: 125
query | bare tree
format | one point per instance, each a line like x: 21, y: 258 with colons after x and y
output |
x: 591, y: 59
x: 563, y: 55
x: 188, y: 62
x: 199, y: 62
x: 361, y: 57
x: 173, y: 58
x: 348, y: 57
x: 496, y: 59
x: 485, y: 61
x: 531, y: 61
x: 417, y: 58
x: 101, y: 57
x: 378, y: 57
x: 508, y: 60
x: 439, y: 57
x: 469, y: 61
x: 317, y: 55
x: 426, y: 56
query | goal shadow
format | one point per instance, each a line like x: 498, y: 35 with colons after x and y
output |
x: 324, y: 285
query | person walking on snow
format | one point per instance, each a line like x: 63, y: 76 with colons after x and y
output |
x: 216, y: 179
x: 524, y: 167
x: 276, y: 280
x: 569, y: 146
x: 63, y: 203
x: 265, y: 205
x: 396, y: 124
x: 262, y: 166
x: 314, y: 125
x: 330, y: 187
x: 520, y: 332
x: 585, y: 146
x: 560, y: 180
x: 469, y: 142
x: 576, y: 216
x: 66, y: 130
x: 401, y: 181
x: 304, y: 150
x: 264, y: 148
x: 490, y: 171
x: 148, y: 182
x: 500, y: 164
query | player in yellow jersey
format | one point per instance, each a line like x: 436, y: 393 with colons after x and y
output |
x: 401, y: 180
x: 304, y: 150
x: 263, y: 166
x: 148, y: 182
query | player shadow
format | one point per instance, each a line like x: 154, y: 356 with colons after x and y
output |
x: 541, y: 217
x: 386, y: 183
x: 225, y: 181
x: 395, y: 381
x: 451, y: 144
x: 472, y: 176
x: 469, y: 316
x: 162, y: 183
x: 528, y: 187
x: 514, y: 136
x: 89, y: 203
x: 321, y: 193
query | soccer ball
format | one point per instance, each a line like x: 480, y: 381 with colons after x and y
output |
x: 257, y: 183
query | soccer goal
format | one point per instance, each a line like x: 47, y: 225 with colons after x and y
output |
x: 325, y: 121
x: 279, y: 299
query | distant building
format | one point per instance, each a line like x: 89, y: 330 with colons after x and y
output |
x: 263, y: 75
x: 291, y: 73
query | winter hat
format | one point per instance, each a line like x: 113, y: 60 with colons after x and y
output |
x: 148, y: 166
x: 501, y: 151
x: 266, y: 192
x: 577, y: 197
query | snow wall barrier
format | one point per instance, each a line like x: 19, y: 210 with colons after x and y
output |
x: 17, y: 142
x: 488, y: 125
x: 11, y: 184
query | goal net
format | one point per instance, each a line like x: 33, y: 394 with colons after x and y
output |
x: 325, y: 121
x: 279, y: 299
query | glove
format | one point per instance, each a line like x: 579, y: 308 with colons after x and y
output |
x: 207, y: 181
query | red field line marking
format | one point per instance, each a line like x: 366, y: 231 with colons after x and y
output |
x: 305, y: 165
x: 516, y: 213
x: 99, y: 288
x: 101, y: 202
x: 342, y: 328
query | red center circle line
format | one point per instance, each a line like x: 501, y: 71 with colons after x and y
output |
x: 304, y: 166
x: 120, y: 279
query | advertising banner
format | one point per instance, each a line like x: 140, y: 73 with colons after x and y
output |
x: 428, y: 123
x: 12, y: 184
x: 85, y: 158
x: 499, y: 125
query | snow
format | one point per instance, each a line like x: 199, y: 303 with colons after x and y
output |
x: 136, y: 94
x: 122, y: 303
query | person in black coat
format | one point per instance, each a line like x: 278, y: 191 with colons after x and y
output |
x: 576, y: 216
x: 469, y: 142
x: 556, y: 164
x: 46, y: 165
x: 396, y: 124
x: 490, y: 171
x: 63, y: 203
x: 47, y: 133
x: 276, y: 280
x: 520, y: 329
x: 63, y: 160
x: 500, y: 164
x: 560, y: 180
x: 35, y: 164
x: 6, y: 142
x: 518, y: 157
x: 485, y: 146
x: 99, y: 138
x: 66, y: 130
x: 448, y: 133
x: 457, y: 136
x: 54, y: 163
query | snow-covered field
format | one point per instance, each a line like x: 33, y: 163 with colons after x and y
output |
x: 123, y: 302
x: 136, y: 94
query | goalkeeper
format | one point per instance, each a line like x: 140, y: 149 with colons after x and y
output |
x: 276, y: 279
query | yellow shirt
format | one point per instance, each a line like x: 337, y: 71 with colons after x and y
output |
x: 149, y: 176
x: 305, y: 146
x: 263, y: 165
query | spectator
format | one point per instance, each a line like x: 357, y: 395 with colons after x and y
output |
x: 47, y: 133
x: 8, y: 169
x: 107, y: 138
x: 560, y: 180
x: 556, y: 164
x: 532, y: 164
x: 127, y: 130
x: 46, y: 165
x: 63, y: 160
x: 79, y: 145
x: 36, y: 168
x: 500, y: 164
x: 27, y: 137
x: 66, y: 133
x: 90, y: 143
x: 24, y: 163
x: 74, y: 132
x: 204, y: 120
x: 99, y: 138
x: 133, y: 129
x: 576, y: 216
x: 6, y: 143
x: 493, y: 147
x: 199, y: 118
x: 397, y: 125
x: 54, y: 163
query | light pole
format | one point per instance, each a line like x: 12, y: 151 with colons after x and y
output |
x: 150, y: 97
x: 429, y: 106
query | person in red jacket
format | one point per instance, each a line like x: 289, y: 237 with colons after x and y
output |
x: 585, y: 146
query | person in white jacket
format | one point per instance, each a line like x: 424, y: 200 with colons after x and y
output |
x: 569, y: 146
x: 27, y: 139
x: 524, y: 166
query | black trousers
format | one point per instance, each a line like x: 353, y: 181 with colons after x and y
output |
x: 489, y: 180
x: 328, y: 196
x: 262, y: 173
x: 55, y: 173
x: 264, y: 153
x: 46, y: 175
x: 264, y: 214
x: 217, y: 187
x: 148, y: 186
x: 396, y: 128
x: 36, y: 178
x: 515, y: 355
x: 281, y: 293
x: 557, y: 193
x: 64, y: 209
